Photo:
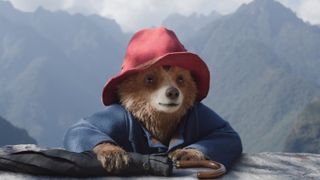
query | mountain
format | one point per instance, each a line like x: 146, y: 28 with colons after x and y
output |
x: 53, y: 66
x: 294, y: 41
x: 186, y: 26
x: 13, y: 135
x: 305, y: 133
x: 263, y: 61
x: 264, y: 65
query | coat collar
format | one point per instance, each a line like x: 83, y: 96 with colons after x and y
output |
x: 137, y: 131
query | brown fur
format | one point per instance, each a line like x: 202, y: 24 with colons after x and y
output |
x: 134, y: 94
x: 113, y: 158
x: 186, y: 154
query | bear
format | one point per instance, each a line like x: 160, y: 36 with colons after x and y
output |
x: 158, y: 98
x: 153, y: 106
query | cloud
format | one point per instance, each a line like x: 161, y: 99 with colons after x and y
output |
x: 310, y: 11
x: 132, y: 15
x: 307, y: 10
x: 143, y: 13
x: 32, y: 5
x: 135, y: 14
x: 72, y: 6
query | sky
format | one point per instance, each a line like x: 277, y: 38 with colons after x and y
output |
x: 133, y: 15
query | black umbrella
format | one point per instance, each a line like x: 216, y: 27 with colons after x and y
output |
x: 31, y: 159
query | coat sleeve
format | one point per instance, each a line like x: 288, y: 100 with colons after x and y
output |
x: 217, y: 140
x: 108, y: 125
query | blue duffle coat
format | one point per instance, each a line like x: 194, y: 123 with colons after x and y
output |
x: 201, y: 128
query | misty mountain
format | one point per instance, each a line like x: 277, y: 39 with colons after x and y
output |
x: 13, y: 135
x: 186, y: 26
x: 266, y: 21
x: 305, y: 133
x: 264, y: 64
x: 263, y: 61
x: 53, y: 66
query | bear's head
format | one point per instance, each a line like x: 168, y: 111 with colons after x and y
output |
x: 159, y: 97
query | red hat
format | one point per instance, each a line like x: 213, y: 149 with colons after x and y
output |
x: 156, y: 47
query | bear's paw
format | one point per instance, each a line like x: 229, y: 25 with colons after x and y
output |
x: 186, y: 154
x: 113, y: 158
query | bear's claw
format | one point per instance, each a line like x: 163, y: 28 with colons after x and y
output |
x: 113, y: 158
x: 186, y: 154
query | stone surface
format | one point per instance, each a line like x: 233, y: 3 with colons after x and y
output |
x: 276, y: 166
x: 249, y: 166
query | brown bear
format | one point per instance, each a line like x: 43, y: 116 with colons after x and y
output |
x: 158, y: 98
x: 153, y: 106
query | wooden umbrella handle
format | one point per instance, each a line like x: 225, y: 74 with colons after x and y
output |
x: 218, y: 168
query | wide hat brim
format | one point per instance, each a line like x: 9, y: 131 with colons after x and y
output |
x: 186, y: 60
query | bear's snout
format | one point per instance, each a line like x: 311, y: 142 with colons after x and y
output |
x: 172, y: 93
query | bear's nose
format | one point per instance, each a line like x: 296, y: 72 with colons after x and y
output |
x: 172, y: 93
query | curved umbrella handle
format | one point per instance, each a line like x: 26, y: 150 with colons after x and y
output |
x: 218, y: 168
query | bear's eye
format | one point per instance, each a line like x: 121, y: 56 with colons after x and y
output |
x: 150, y: 79
x: 180, y: 79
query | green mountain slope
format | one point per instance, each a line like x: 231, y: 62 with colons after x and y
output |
x: 305, y: 133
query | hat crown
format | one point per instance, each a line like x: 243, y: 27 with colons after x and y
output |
x: 157, y: 47
x: 149, y: 44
